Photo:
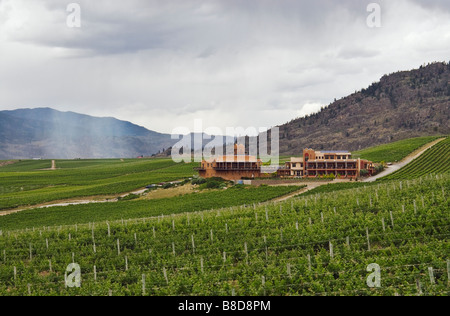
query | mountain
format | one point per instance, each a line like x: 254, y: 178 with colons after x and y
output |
x: 47, y: 133
x: 401, y: 105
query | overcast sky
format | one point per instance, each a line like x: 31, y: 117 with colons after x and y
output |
x: 163, y: 63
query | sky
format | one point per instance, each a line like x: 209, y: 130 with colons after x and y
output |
x: 163, y: 64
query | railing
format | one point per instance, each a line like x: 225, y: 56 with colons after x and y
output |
x: 237, y: 169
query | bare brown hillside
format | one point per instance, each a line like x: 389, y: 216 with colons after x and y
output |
x: 401, y: 105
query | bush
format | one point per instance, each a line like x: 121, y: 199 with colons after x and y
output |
x: 364, y: 173
x: 330, y: 176
x: 129, y: 197
x: 213, y: 183
x: 168, y: 186
x: 185, y: 181
x: 379, y: 168
x: 198, y: 181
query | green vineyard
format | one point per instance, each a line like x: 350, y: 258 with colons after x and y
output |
x: 202, y: 201
x: 26, y: 183
x: 395, y: 151
x: 391, y: 238
x: 435, y: 160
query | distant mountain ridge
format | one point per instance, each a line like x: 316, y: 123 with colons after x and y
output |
x: 401, y: 105
x: 48, y: 133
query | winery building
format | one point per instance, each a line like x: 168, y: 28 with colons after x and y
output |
x: 232, y: 167
x: 312, y: 164
x: 315, y: 164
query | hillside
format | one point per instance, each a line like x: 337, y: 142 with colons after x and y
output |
x: 47, y: 133
x: 319, y: 245
x: 401, y: 105
x: 394, y: 152
x: 435, y: 160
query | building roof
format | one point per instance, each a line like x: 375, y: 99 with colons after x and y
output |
x: 237, y: 158
x: 333, y: 152
x: 334, y: 160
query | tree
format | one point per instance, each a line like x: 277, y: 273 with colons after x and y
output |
x: 364, y: 173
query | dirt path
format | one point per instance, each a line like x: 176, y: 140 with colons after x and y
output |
x: 309, y: 186
x: 291, y: 195
x: 67, y: 202
x: 397, y: 166
x: 59, y: 203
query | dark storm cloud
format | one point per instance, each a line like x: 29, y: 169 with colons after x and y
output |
x: 111, y: 27
x: 164, y: 63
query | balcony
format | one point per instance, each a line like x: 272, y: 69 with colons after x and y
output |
x: 237, y: 169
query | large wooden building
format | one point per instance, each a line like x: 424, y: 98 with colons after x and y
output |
x: 232, y: 167
x: 315, y: 164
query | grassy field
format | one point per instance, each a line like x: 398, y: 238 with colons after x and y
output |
x: 435, y: 160
x: 394, y: 152
x: 26, y: 183
x: 96, y: 212
x: 223, y: 241
x: 333, y: 187
x: 314, y: 245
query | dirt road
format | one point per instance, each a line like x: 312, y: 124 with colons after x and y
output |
x: 309, y: 187
x: 404, y: 162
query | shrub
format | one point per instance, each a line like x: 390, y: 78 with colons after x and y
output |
x: 168, y: 186
x: 198, y: 181
x: 364, y: 173
x: 379, y: 168
x: 129, y: 197
x: 214, y: 184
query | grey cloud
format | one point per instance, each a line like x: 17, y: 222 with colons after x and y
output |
x: 350, y: 53
x: 162, y: 64
x: 434, y: 4
x: 111, y: 27
x: 210, y: 51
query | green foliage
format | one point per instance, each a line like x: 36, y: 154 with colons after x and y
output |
x: 394, y: 151
x: 379, y: 168
x: 168, y: 186
x: 214, y: 183
x: 128, y: 197
x: 198, y: 181
x: 334, y: 187
x: 24, y: 183
x: 435, y: 160
x: 97, y: 212
x: 274, y: 249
